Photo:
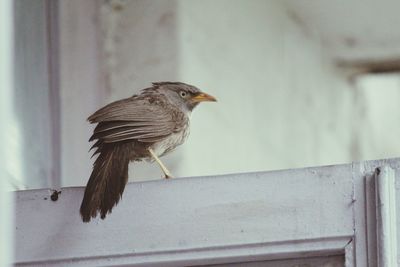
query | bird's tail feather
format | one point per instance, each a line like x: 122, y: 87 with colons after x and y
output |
x: 106, y: 183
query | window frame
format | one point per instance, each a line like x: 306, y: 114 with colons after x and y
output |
x: 197, y: 220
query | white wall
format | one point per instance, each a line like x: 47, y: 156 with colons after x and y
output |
x: 282, y: 104
x: 282, y: 101
x: 139, y: 46
x: 377, y: 129
x: 81, y: 86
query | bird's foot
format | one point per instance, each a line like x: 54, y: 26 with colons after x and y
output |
x: 168, y: 176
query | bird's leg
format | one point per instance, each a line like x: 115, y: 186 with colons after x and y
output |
x: 166, y: 172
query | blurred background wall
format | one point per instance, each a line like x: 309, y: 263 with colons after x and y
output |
x: 299, y: 83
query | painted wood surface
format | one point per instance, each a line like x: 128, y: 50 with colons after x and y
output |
x: 331, y: 261
x: 240, y: 217
x: 367, y: 230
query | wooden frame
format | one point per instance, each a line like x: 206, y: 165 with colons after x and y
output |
x: 376, y: 235
x: 207, y: 220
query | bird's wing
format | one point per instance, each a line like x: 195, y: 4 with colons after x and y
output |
x: 133, y: 119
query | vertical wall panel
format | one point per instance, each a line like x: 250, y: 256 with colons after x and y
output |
x: 32, y: 122
x: 81, y: 90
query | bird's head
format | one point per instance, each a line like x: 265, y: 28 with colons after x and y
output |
x: 183, y: 95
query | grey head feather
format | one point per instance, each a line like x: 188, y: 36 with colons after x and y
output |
x: 173, y: 92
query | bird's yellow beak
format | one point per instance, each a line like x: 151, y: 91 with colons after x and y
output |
x: 202, y: 97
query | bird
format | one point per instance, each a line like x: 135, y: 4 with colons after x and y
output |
x: 145, y: 126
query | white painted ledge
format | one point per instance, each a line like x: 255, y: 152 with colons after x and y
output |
x: 202, y: 220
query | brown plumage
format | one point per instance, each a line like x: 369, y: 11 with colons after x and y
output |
x: 144, y: 126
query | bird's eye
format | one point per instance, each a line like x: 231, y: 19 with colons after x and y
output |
x: 183, y: 94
